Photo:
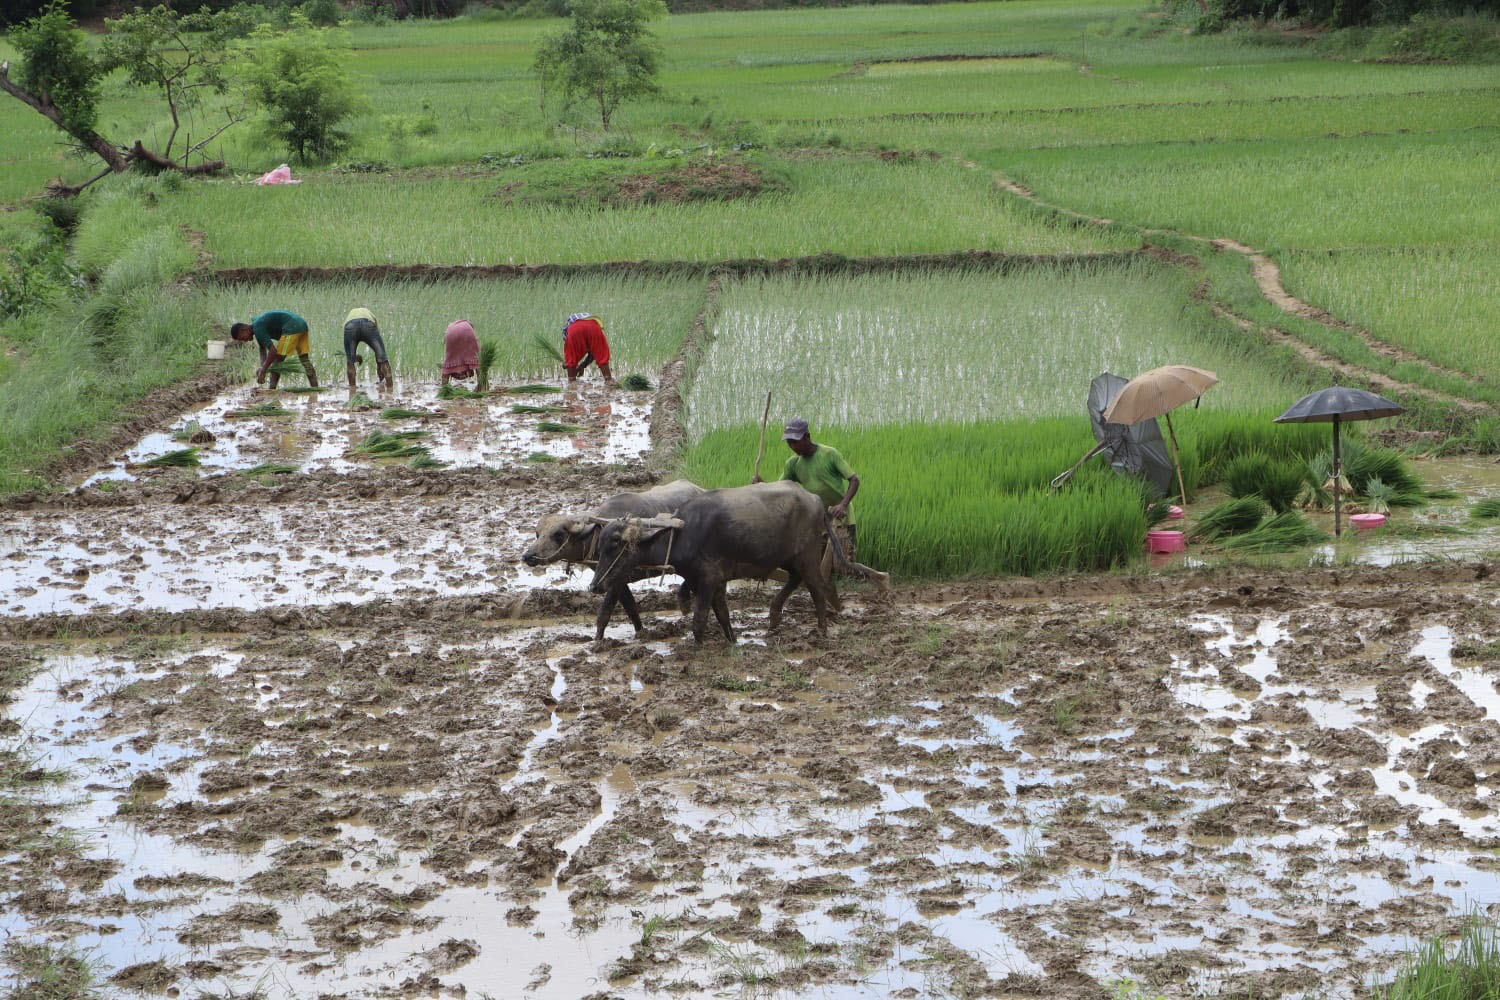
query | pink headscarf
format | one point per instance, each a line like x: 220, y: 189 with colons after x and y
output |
x: 460, y: 349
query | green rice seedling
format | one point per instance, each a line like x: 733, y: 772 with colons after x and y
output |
x: 360, y: 401
x: 1282, y: 533
x: 426, y: 461
x: 1378, y: 496
x: 1361, y: 464
x: 400, y: 413
x: 528, y: 408
x: 261, y: 410
x: 547, y: 346
x: 1472, y: 970
x: 384, y: 444
x: 541, y: 456
x: 489, y: 351
x: 1232, y: 517
x: 1277, y: 483
x: 303, y: 388
x: 184, y: 458
x: 271, y: 469
x: 532, y: 389
x: 1486, y: 508
x: 451, y: 391
x: 286, y: 367
x: 1157, y: 513
x: 188, y: 431
x: 553, y: 427
x: 636, y: 382
x: 1442, y: 493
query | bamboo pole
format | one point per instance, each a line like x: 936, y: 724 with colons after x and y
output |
x: 760, y: 452
x: 1176, y: 459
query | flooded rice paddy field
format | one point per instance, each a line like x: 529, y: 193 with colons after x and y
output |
x: 1259, y: 782
x: 320, y: 432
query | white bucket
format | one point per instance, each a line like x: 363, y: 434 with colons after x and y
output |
x: 216, y: 350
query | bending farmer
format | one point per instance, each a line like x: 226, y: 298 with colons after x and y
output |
x: 360, y: 328
x: 460, y: 351
x: 280, y: 334
x: 822, y: 471
x: 583, y: 341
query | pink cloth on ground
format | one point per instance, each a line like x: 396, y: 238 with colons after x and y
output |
x: 281, y: 175
x: 460, y: 349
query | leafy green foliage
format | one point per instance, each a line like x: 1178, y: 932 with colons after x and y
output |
x: 35, y: 273
x: 607, y: 54
x: 300, y: 79
x: 57, y: 66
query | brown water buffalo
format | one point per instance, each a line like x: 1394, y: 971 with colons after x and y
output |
x: 573, y: 538
x: 746, y: 532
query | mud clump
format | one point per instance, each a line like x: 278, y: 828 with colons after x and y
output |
x: 710, y: 180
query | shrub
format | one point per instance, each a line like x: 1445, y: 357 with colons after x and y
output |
x: 323, y: 13
x: 301, y: 81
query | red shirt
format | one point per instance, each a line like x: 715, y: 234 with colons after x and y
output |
x: 585, y: 337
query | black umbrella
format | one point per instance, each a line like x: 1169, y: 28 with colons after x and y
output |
x: 1136, y: 449
x: 1335, y: 406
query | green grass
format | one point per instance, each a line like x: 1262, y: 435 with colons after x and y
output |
x: 959, y: 346
x: 1471, y: 971
x: 645, y: 319
x: 831, y: 206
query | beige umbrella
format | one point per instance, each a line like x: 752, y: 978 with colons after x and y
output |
x: 1156, y: 394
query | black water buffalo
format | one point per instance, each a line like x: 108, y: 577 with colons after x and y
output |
x: 574, y: 537
x: 730, y: 534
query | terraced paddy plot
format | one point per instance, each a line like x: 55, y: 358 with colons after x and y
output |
x: 955, y: 347
x: 319, y: 432
x: 842, y: 202
x: 511, y: 812
x: 1440, y: 304
x: 645, y: 319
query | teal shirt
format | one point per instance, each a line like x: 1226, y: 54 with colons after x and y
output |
x: 271, y: 326
x: 825, y: 472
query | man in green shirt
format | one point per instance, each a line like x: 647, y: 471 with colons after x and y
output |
x: 280, y: 334
x: 822, y: 471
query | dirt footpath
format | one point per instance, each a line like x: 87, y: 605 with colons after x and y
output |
x: 1270, y: 783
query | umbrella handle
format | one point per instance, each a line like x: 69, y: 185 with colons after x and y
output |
x: 1057, y: 483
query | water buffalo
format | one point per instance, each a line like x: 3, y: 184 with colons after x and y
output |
x: 722, y: 535
x: 573, y: 538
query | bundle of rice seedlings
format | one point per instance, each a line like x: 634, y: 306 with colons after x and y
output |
x: 1442, y: 493
x: 488, y: 351
x: 189, y: 430
x: 1378, y: 496
x: 1157, y: 513
x: 636, y: 382
x: 398, y: 413
x: 451, y: 391
x: 548, y: 346
x: 285, y: 367
x: 533, y: 388
x: 526, y: 408
x: 261, y: 410
x: 426, y: 461
x: 1282, y: 533
x: 185, y: 458
x: 541, y: 456
x: 1277, y: 483
x: 1488, y: 507
x: 553, y: 427
x: 271, y: 469
x: 1232, y: 517
x: 1362, y: 464
x: 384, y: 444
x: 304, y: 388
x: 360, y: 401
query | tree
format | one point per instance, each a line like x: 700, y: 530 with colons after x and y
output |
x: 301, y: 81
x: 607, y: 55
x: 181, y: 56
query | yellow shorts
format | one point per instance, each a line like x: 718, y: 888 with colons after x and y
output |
x: 294, y: 343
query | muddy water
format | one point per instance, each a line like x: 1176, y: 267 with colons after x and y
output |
x: 320, y: 433
x: 1195, y: 793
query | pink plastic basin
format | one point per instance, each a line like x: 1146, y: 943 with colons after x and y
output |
x: 1165, y: 541
x: 1174, y: 513
x: 1366, y: 522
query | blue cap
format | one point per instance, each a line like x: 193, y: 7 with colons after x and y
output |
x: 796, y: 429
